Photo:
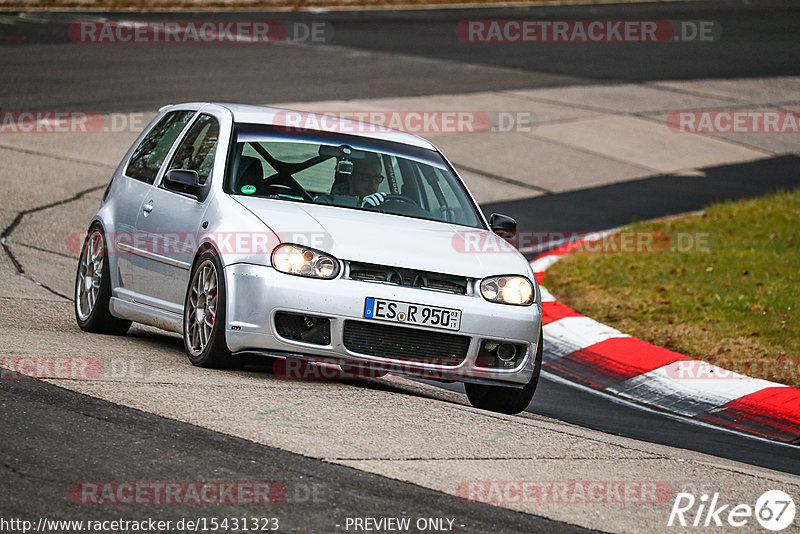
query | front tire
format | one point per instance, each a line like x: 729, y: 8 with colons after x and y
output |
x: 204, y: 314
x: 504, y: 399
x: 93, y: 288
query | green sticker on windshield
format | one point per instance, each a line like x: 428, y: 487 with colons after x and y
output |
x: 248, y: 189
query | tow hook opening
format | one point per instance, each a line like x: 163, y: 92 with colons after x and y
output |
x: 305, y: 328
x: 496, y: 354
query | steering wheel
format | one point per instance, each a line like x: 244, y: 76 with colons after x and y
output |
x: 400, y: 198
x: 290, y: 183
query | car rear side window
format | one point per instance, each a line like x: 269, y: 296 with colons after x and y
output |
x: 151, y: 152
x: 198, y: 147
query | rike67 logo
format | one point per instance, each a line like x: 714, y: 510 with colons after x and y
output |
x: 774, y: 510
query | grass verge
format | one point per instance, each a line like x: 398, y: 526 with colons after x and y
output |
x: 723, y: 286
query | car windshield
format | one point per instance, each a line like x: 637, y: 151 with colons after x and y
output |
x: 349, y: 172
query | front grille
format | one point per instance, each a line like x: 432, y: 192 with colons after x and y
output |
x: 369, y: 272
x: 401, y: 343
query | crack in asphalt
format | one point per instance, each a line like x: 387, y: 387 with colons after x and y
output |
x: 22, y: 474
x: 8, y: 230
x: 57, y: 156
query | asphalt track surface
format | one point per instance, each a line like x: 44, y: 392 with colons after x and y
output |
x: 618, y: 204
x: 44, y: 70
x: 316, y: 496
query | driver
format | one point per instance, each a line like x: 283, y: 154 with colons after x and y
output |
x: 364, y: 181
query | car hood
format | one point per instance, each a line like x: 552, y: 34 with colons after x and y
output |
x: 393, y: 240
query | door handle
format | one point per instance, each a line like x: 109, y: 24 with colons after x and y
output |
x: 147, y: 208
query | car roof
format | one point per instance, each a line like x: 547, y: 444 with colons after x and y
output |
x: 249, y: 114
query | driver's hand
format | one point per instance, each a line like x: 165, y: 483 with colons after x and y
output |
x: 373, y: 200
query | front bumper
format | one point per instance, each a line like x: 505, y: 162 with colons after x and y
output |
x: 256, y: 293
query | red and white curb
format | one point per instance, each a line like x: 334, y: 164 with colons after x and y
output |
x: 582, y: 350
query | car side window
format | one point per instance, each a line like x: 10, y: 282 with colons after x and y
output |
x: 151, y: 152
x: 317, y: 179
x: 197, y: 149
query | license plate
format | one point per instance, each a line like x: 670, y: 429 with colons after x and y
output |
x: 407, y: 312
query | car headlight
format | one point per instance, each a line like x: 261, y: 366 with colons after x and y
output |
x: 304, y: 261
x: 508, y: 290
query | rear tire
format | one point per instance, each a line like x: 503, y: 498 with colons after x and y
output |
x: 504, y: 399
x: 93, y: 287
x: 204, y: 314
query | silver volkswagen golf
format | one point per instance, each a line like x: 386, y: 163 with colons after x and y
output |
x: 254, y: 230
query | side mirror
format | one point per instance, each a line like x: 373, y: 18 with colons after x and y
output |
x: 185, y: 181
x: 502, y: 225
